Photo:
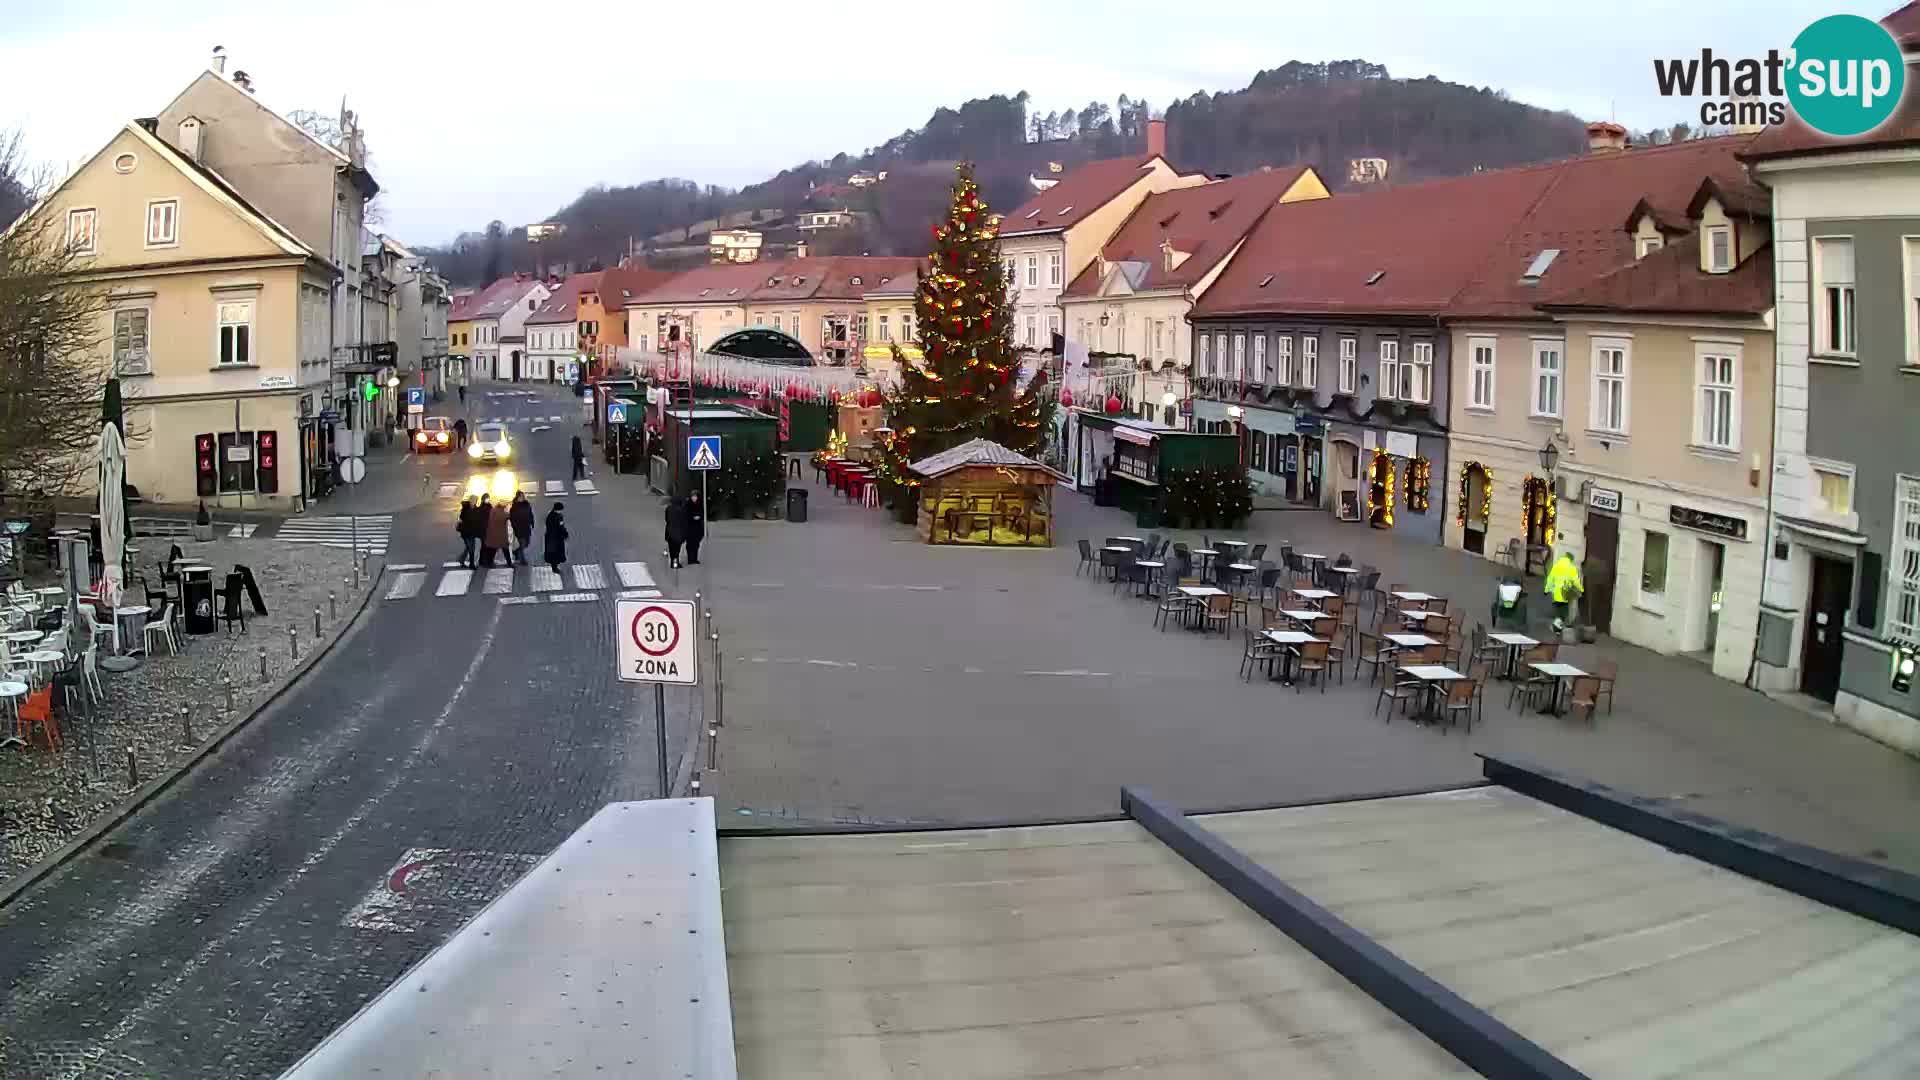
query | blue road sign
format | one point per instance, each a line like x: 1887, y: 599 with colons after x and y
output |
x: 616, y: 412
x: 416, y: 395
x: 703, y: 451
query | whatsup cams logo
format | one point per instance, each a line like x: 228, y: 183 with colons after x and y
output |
x: 1843, y: 76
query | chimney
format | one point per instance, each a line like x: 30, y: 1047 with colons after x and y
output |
x: 800, y: 250
x: 219, y: 60
x: 1606, y: 137
x: 189, y: 140
x: 244, y: 81
x: 1166, y: 256
x: 1157, y: 137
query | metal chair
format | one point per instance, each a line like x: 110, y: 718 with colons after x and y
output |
x: 1313, y: 658
x: 1086, y: 557
x: 1398, y: 690
x: 1258, y: 649
x: 1460, y: 699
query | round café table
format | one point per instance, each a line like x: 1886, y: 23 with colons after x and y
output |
x: 43, y: 658
x: 11, y: 693
x: 24, y: 637
x: 134, y: 616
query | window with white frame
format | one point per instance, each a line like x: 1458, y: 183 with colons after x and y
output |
x: 1480, y: 359
x: 1913, y: 300
x: 1716, y: 420
x: 1653, y: 568
x: 1644, y: 246
x: 1033, y: 329
x: 1053, y: 269
x: 1349, y: 363
x: 906, y: 326
x: 1159, y: 327
x: 1833, y: 270
x: 1260, y: 358
x: 1833, y: 488
x: 1240, y: 357
x: 130, y: 342
x: 1903, y: 570
x: 1283, y: 359
x: 1033, y: 270
x: 236, y: 332
x: 163, y: 222
x: 1720, y: 248
x: 1220, y: 355
x: 1610, y: 359
x: 1007, y: 265
x: 1053, y: 327
x: 81, y: 231
x: 886, y: 329
x: 1548, y: 358
x: 1310, y: 360
x: 1416, y: 378
x: 1389, y: 375
x: 1205, y: 365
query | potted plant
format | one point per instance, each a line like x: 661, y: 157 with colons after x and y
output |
x: 202, y: 523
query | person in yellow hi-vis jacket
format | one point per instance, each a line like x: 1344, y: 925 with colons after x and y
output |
x: 1563, y: 585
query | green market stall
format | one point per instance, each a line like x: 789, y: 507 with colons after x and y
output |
x: 750, y: 477
x: 1156, y: 471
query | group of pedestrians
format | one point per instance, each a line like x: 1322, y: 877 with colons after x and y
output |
x: 686, y: 524
x: 506, y: 530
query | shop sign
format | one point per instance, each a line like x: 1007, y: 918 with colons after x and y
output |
x: 1309, y: 425
x: 1403, y: 444
x: 1687, y: 517
x: 1604, y: 499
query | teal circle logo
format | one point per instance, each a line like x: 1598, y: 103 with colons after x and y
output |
x: 1847, y: 75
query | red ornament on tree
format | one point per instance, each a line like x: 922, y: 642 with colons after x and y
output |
x: 1066, y: 398
x: 1114, y: 405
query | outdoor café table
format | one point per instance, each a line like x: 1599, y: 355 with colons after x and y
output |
x: 1410, y: 641
x: 51, y: 592
x: 1304, y: 616
x: 132, y: 623
x: 1316, y: 596
x: 42, y: 658
x: 1152, y: 567
x: 1414, y: 597
x: 1136, y: 541
x: 1346, y: 573
x: 1290, y: 640
x: 1205, y: 555
x: 1413, y: 617
x: 1117, y: 549
x: 24, y: 637
x: 1236, y: 545
x: 1560, y: 672
x: 1514, y: 643
x: 1200, y: 593
x: 1434, y: 676
x: 1241, y: 569
x: 11, y: 693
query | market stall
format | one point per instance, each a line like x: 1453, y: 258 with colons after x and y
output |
x: 984, y: 494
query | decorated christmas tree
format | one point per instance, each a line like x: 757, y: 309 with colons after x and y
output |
x: 967, y: 387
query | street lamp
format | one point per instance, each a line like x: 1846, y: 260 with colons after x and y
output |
x: 1234, y: 413
x: 1167, y: 402
x: 1549, y: 455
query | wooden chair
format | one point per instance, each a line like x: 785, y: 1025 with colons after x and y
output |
x: 1607, y: 672
x: 1258, y: 650
x: 1479, y: 673
x: 1086, y: 558
x: 1584, y: 697
x: 1532, y: 682
x: 1170, y: 604
x: 1459, y: 700
x: 1439, y: 604
x: 1398, y: 690
x: 1372, y: 651
x: 1218, y: 610
x: 1328, y: 630
x: 1435, y: 653
x: 1313, y: 658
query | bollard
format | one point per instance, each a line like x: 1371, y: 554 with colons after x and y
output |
x: 719, y: 685
x: 316, y: 624
x: 229, y: 695
x: 186, y: 723
x: 333, y: 609
x: 133, y: 769
x: 263, y: 663
x: 293, y: 644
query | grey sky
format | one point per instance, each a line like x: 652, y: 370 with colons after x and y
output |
x: 481, y: 110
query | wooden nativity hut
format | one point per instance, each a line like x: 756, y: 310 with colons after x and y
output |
x: 985, y: 494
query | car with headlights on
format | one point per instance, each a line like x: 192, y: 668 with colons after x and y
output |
x: 490, y: 444
x: 434, y: 437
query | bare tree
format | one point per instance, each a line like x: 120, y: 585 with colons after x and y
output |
x: 52, y: 368
x: 326, y: 130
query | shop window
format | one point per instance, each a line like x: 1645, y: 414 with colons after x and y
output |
x: 1419, y: 485
x: 1653, y: 566
x: 1380, y: 484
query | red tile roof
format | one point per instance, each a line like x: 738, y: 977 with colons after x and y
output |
x: 1670, y: 281
x: 1900, y: 129
x: 463, y: 304
x: 1903, y: 23
x: 1205, y: 222
x: 561, y: 304
x: 622, y: 283
x: 1078, y: 194
x: 720, y: 283
x: 495, y: 299
x: 830, y: 277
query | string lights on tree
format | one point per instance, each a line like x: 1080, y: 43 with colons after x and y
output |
x: 1380, y: 490
x: 1419, y: 484
x: 1536, y: 497
x: 1466, y: 493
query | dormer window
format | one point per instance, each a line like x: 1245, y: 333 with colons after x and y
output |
x: 855, y: 280
x: 1266, y: 281
x: 704, y: 292
x: 1719, y: 249
x: 799, y: 281
x: 1374, y: 278
x: 1644, y: 246
x: 1033, y: 213
x: 1067, y: 210
x: 1537, y: 269
x: 773, y: 282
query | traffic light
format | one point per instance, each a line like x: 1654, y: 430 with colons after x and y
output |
x: 267, y: 462
x: 206, y: 477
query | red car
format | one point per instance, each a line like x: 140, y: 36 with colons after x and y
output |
x: 434, y: 437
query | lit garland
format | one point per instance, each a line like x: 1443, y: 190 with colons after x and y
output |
x: 1532, y: 492
x: 1419, y: 484
x: 1380, y: 490
x: 1466, y: 498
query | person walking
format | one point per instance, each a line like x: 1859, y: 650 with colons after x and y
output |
x: 555, y: 539
x: 460, y: 434
x: 470, y: 529
x: 520, y: 517
x: 676, y: 530
x: 463, y: 395
x: 497, y: 530
x: 1563, y: 584
x: 481, y: 512
x: 696, y: 527
x: 579, y: 459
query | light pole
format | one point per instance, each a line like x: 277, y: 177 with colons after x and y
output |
x: 1167, y: 403
x: 1236, y: 413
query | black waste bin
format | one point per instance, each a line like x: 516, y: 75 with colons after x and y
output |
x: 796, y: 504
x: 196, y: 594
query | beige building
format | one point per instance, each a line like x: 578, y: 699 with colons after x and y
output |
x: 820, y: 302
x: 1131, y: 302
x: 695, y: 308
x: 1048, y: 240
x: 886, y: 323
x: 734, y: 245
x: 216, y: 321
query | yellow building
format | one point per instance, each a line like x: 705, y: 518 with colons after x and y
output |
x: 217, y: 321
x: 460, y: 333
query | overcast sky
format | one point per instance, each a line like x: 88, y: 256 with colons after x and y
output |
x: 478, y: 109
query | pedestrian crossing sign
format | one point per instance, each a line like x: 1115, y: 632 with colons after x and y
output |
x: 703, y: 451
x: 616, y: 412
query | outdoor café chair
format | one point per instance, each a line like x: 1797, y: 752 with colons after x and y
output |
x: 1460, y: 698
x: 1584, y: 697
x: 37, y: 711
x: 230, y: 609
x: 1259, y: 552
x: 1533, y: 683
x: 1607, y: 672
x: 162, y: 628
x: 1086, y: 557
x: 1172, y: 604
x: 1398, y: 690
x: 1258, y: 650
x: 1313, y: 658
x: 1269, y: 581
x: 1219, y: 609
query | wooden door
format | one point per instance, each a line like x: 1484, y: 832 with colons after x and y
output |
x: 1598, y: 573
x: 1822, y: 646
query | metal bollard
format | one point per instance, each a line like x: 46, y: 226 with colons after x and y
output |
x: 133, y: 769
x: 316, y: 624
x: 229, y: 695
x: 333, y: 607
x: 263, y: 663
x: 719, y: 685
x: 293, y: 644
x: 186, y: 723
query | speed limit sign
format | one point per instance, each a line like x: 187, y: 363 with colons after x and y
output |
x: 658, y: 641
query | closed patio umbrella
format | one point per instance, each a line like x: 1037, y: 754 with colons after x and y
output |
x: 113, y: 513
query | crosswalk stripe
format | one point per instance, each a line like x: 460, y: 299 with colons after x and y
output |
x: 544, y: 579
x: 498, y: 581
x: 588, y: 576
x: 455, y: 583
x: 406, y: 585
x: 573, y: 597
x: 585, y: 487
x: 530, y: 487
x: 639, y: 594
x: 556, y: 487
x: 633, y: 575
x: 449, y: 490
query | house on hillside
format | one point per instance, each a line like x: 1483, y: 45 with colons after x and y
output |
x: 1046, y: 241
x: 734, y: 245
x: 1840, y: 616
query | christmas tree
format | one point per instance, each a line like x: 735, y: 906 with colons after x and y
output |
x: 966, y: 387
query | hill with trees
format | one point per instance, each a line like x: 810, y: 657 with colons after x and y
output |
x: 1319, y: 114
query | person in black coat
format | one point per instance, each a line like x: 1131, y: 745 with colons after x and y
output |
x: 579, y: 459
x: 696, y: 527
x: 469, y: 528
x: 676, y: 529
x: 520, y: 519
x: 556, y: 537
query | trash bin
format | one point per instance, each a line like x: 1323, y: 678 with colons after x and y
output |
x: 796, y: 504
x: 196, y: 594
x: 1148, y: 516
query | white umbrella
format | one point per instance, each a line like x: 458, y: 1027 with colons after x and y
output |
x: 113, y: 518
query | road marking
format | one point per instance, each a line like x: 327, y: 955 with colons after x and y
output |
x: 407, y: 566
x: 453, y: 565
x: 588, y: 576
x: 519, y: 599
x: 241, y: 532
x: 1069, y: 673
x: 529, y: 487
x: 455, y: 583
x: 406, y: 585
x: 430, y: 881
x: 585, y: 487
x: 498, y: 581
x: 766, y: 585
x: 633, y: 575
x: 639, y: 594
x: 544, y: 579
x: 448, y: 490
x: 574, y: 597
x: 556, y: 487
x: 537, y: 428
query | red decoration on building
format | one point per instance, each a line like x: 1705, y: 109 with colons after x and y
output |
x: 1066, y: 398
x: 1114, y: 405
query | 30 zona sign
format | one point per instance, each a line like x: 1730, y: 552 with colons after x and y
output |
x: 659, y: 641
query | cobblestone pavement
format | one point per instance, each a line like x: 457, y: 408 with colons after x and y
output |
x: 401, y: 784
x: 872, y: 677
x: 46, y: 797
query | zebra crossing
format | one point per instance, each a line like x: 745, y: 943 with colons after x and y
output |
x: 575, y: 583
x: 454, y: 490
x: 366, y: 532
x: 511, y: 420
